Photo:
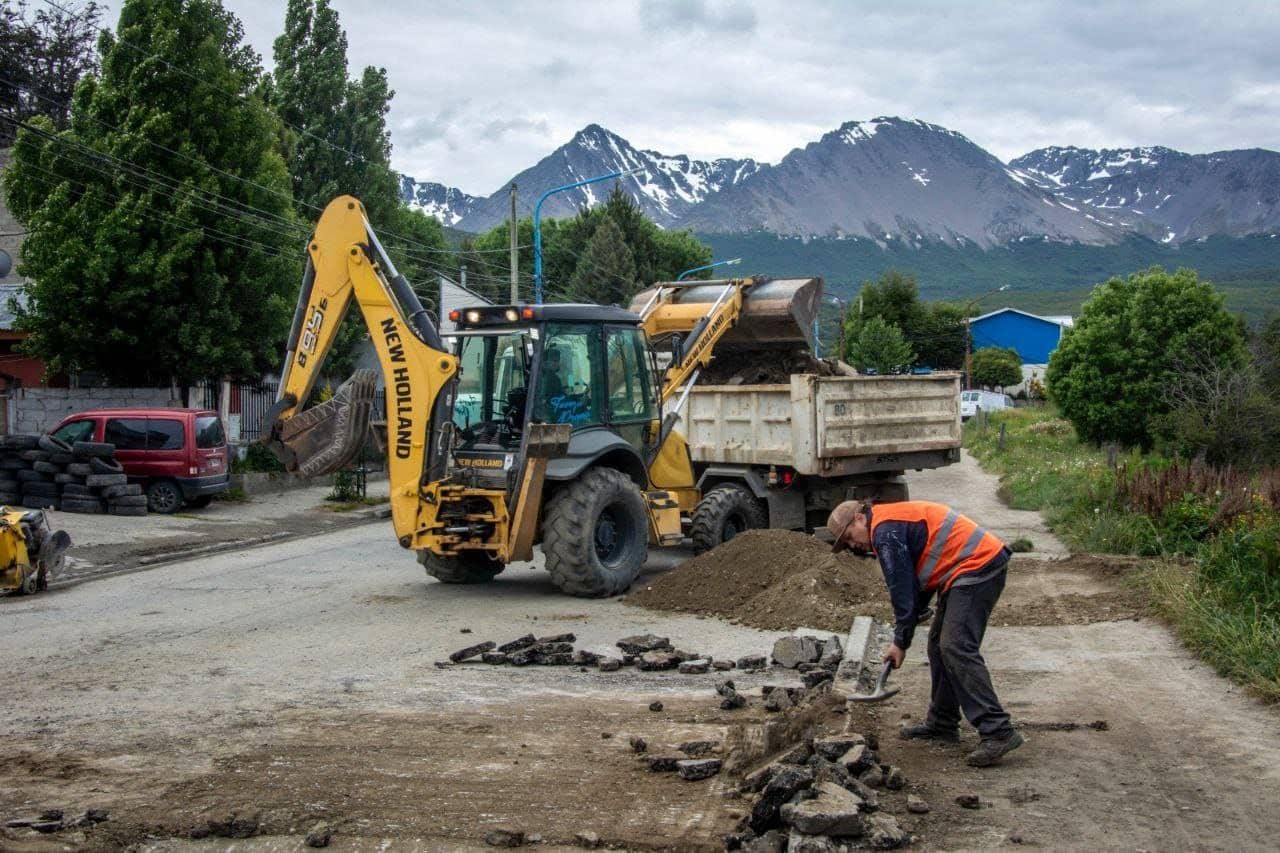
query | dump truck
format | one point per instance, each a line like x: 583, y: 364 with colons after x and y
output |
x: 783, y: 455
x: 568, y: 433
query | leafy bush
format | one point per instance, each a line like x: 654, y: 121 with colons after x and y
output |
x: 258, y: 459
x: 879, y: 346
x: 1109, y: 373
x: 996, y: 367
x: 345, y: 488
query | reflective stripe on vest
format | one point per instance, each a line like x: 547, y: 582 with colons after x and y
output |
x: 955, y: 545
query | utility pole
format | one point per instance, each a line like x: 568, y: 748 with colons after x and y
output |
x: 462, y: 276
x: 515, y: 278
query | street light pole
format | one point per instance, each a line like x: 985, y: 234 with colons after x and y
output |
x: 537, y: 224
x: 728, y: 263
x: 968, y: 335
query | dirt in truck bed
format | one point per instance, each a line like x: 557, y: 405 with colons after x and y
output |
x: 781, y: 579
x: 767, y: 367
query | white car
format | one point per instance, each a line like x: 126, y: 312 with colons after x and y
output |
x: 972, y: 402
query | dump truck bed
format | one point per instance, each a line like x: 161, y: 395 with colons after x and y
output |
x: 829, y: 425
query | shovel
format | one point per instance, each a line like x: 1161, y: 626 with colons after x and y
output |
x: 880, y: 693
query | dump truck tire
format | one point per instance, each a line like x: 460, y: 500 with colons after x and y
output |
x: 47, y: 468
x: 81, y: 504
x: 35, y: 455
x: 26, y: 475
x: 596, y: 534
x: 99, y: 480
x: 468, y: 568
x: 49, y: 490
x: 79, y: 469
x: 21, y: 442
x: 127, y: 510
x: 129, y: 500
x: 722, y: 514
x: 117, y: 491
x: 38, y: 502
x: 77, y: 488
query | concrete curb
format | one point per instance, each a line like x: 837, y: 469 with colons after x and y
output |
x: 856, y: 648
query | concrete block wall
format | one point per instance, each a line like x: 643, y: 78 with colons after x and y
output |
x: 33, y: 410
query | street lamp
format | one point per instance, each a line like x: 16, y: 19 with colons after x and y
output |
x: 968, y: 334
x: 843, y: 305
x: 728, y: 263
x: 537, y: 224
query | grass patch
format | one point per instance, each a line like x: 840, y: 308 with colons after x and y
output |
x: 347, y: 506
x: 1217, y: 576
x: 235, y: 494
x: 1022, y: 546
x: 1242, y: 644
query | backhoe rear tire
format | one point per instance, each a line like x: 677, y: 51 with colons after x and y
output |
x: 596, y: 534
x: 722, y: 514
x: 469, y: 567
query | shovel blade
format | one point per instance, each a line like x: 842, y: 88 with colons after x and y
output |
x: 326, y: 438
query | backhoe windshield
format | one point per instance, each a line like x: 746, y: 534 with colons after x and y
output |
x: 493, y: 373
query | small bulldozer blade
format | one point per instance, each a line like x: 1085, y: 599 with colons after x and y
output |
x: 327, y: 437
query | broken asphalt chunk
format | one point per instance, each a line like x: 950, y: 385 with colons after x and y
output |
x: 694, y: 769
x: 641, y: 643
x: 472, y: 651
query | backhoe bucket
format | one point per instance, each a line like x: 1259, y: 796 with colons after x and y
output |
x: 776, y: 313
x: 327, y: 437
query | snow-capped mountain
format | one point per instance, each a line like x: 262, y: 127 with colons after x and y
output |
x: 898, y: 179
x: 448, y: 204
x: 894, y: 179
x: 1165, y: 194
x: 666, y: 186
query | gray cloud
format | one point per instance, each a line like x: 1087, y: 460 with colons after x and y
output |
x: 698, y: 17
x: 485, y: 89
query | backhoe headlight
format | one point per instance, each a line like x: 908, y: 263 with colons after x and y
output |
x: 512, y: 315
x: 473, y: 316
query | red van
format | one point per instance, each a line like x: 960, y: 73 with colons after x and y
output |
x: 178, y: 455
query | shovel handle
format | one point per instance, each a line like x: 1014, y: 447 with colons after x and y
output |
x: 884, y: 675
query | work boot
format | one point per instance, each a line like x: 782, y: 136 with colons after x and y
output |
x: 924, y: 731
x: 992, y: 748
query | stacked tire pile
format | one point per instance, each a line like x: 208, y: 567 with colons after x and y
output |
x: 41, y: 472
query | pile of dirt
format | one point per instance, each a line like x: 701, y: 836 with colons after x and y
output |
x: 775, y: 580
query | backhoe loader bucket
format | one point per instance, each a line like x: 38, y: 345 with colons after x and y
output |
x: 776, y: 313
x: 327, y: 437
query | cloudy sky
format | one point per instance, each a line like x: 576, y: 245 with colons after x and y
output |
x: 484, y: 89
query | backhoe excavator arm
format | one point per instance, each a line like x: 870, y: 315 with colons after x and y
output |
x: 703, y: 328
x: 346, y: 262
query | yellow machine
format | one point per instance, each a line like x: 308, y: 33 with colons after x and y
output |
x: 541, y: 424
x: 30, y: 553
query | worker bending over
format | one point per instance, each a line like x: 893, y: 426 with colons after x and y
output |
x: 926, y: 548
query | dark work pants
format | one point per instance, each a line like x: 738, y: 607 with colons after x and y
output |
x: 960, y: 678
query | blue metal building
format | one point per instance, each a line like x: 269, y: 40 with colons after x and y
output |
x: 1034, y: 337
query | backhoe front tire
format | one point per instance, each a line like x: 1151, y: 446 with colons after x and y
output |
x: 468, y: 567
x: 722, y: 514
x: 595, y: 534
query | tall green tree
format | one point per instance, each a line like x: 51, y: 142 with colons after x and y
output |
x: 606, y: 272
x: 996, y: 367
x: 935, y: 330
x: 160, y: 222
x: 1133, y: 337
x: 879, y: 346
x: 336, y: 143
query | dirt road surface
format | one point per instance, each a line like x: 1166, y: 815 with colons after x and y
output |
x: 297, y: 681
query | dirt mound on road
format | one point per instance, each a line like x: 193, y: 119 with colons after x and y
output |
x: 775, y: 580
x: 779, y: 579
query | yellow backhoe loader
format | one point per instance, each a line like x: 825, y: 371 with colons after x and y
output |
x: 31, y: 553
x: 540, y: 424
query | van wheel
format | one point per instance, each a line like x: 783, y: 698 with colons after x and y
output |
x: 200, y: 502
x: 164, y: 496
x: 722, y: 514
x: 467, y: 567
x: 596, y: 534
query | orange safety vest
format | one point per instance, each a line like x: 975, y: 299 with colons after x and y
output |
x: 956, y: 544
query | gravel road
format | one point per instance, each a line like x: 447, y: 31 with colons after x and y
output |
x: 297, y: 680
